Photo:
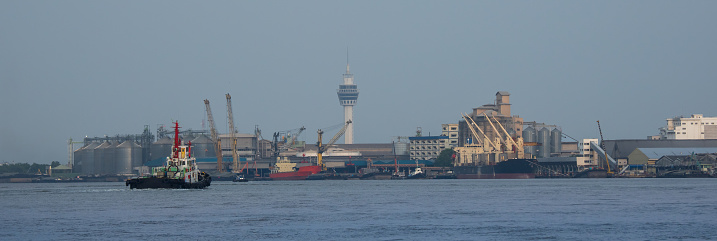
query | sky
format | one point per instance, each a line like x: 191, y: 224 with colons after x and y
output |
x: 70, y: 69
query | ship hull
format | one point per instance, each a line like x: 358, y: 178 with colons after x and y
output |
x: 509, y: 169
x: 591, y: 173
x: 166, y: 183
x: 301, y: 174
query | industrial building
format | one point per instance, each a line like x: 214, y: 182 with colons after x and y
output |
x: 651, y: 160
x: 685, y: 128
x: 548, y: 139
x: 120, y: 154
x: 451, y: 131
x: 491, y: 120
x: 501, y: 111
x: 427, y: 147
x: 621, y: 149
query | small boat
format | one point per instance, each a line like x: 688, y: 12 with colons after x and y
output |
x: 416, y: 174
x: 179, y: 172
x: 240, y: 178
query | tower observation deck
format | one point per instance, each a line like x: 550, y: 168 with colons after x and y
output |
x: 348, y: 94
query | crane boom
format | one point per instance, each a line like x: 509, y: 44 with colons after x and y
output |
x: 498, y: 139
x: 215, y: 137
x: 322, y: 148
x: 495, y: 146
x: 602, y: 145
x: 230, y: 115
x: 519, y: 148
x: 288, y: 143
x: 475, y: 135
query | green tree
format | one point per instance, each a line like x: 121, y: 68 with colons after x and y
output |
x: 54, y: 164
x: 445, y: 159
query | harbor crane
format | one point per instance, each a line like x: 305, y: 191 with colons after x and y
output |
x: 602, y: 145
x: 520, y: 153
x: 215, y: 137
x: 476, y: 138
x: 291, y: 142
x: 322, y: 148
x: 230, y: 115
x: 287, y: 142
x: 495, y: 146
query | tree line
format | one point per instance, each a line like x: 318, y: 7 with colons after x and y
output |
x: 25, y: 168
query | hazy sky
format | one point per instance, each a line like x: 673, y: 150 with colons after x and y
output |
x: 70, y: 69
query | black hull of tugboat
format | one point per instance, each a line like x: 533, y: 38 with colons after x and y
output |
x: 166, y: 183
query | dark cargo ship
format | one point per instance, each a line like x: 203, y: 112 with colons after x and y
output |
x: 508, y: 169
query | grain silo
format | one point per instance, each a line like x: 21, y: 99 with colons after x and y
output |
x: 556, y: 141
x: 544, y: 141
x: 128, y: 156
x: 161, y: 149
x: 529, y: 135
x: 88, y: 158
x: 202, y: 146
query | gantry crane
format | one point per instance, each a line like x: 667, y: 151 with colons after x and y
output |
x: 215, y: 137
x: 230, y: 115
x: 322, y: 148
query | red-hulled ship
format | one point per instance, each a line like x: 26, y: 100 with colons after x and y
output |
x: 301, y: 174
x: 285, y: 170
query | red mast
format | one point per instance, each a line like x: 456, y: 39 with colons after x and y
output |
x: 395, y: 159
x: 177, y: 142
x: 189, y: 149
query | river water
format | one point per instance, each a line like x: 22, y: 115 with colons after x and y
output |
x: 534, y: 209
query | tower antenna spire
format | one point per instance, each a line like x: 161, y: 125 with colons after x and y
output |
x: 348, y: 94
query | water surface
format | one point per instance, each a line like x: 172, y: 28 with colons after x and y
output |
x: 537, y: 209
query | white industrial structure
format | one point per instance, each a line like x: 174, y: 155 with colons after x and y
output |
x: 587, y: 157
x: 348, y: 94
x: 451, y: 131
x: 695, y: 127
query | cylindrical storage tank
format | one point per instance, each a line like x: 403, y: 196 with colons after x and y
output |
x: 544, y: 140
x: 202, y: 146
x: 401, y: 148
x: 125, y: 157
x: 556, y: 141
x: 529, y: 135
x: 136, y: 156
x: 161, y: 149
x: 77, y: 159
x: 99, y: 158
x: 110, y: 157
x: 88, y: 158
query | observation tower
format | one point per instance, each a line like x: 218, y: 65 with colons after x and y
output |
x: 348, y: 94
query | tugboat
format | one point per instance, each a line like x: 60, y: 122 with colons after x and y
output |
x: 180, y: 170
x: 417, y: 174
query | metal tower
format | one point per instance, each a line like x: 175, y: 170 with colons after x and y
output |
x: 348, y: 94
